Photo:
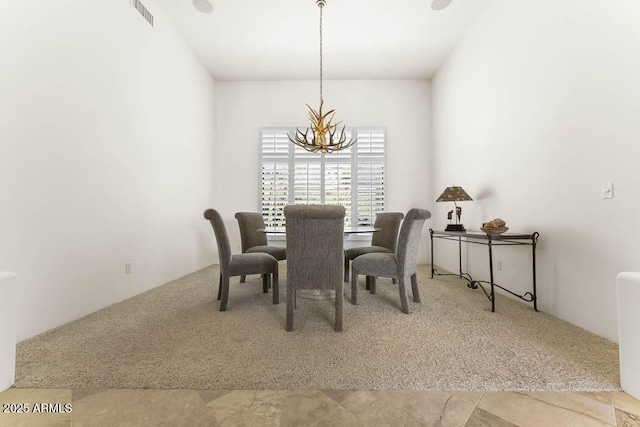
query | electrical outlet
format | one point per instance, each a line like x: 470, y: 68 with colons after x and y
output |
x: 607, y: 190
x: 127, y: 268
x: 499, y: 265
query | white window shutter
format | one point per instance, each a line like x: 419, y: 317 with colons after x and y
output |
x: 307, y: 183
x: 353, y: 178
x: 337, y: 186
x: 371, y: 175
x: 274, y: 194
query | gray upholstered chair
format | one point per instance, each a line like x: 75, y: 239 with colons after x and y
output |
x: 240, y: 264
x: 314, y: 253
x: 398, y: 266
x: 255, y: 241
x: 384, y: 240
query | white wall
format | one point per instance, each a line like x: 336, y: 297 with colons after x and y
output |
x: 403, y: 107
x: 106, y: 139
x: 533, y: 112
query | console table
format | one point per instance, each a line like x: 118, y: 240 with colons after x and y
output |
x: 489, y: 240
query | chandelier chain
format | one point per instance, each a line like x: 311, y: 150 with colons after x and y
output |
x: 321, y: 7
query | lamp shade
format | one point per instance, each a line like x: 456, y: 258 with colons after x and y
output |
x: 453, y: 194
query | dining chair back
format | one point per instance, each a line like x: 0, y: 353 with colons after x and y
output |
x: 256, y: 241
x: 250, y: 223
x: 240, y: 264
x: 397, y: 266
x: 389, y: 224
x: 314, y: 253
x: 222, y: 238
x: 407, y: 251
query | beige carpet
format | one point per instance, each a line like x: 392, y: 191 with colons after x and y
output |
x: 175, y: 337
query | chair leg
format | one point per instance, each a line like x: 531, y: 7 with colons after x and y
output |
x: 372, y: 284
x: 220, y: 287
x: 403, y: 296
x: 354, y: 287
x: 225, y: 293
x: 367, y: 283
x: 414, y: 287
x: 339, y: 304
x: 394, y: 281
x: 265, y: 283
x: 346, y: 269
x: 243, y: 279
x: 276, y: 288
x: 291, y: 297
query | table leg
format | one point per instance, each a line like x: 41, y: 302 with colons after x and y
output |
x: 493, y: 295
x: 432, y: 267
x: 534, y: 242
x: 460, y: 254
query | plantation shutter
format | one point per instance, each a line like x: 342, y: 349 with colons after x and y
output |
x: 274, y: 194
x: 338, y: 179
x: 370, y: 175
x: 353, y: 178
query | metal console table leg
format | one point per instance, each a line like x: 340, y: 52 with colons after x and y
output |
x: 534, y: 243
x: 493, y: 295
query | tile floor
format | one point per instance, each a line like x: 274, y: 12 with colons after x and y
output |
x: 317, y: 408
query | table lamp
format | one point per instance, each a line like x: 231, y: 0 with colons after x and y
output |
x: 454, y: 194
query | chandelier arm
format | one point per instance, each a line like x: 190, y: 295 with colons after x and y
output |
x: 342, y: 136
x: 328, y: 121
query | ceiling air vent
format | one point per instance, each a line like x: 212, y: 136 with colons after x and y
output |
x: 143, y: 11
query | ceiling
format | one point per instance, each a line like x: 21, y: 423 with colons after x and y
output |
x: 363, y: 39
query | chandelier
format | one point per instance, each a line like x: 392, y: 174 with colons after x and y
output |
x: 323, y: 136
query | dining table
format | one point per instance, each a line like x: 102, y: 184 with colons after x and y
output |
x: 348, y: 231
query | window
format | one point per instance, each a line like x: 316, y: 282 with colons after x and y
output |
x: 353, y: 178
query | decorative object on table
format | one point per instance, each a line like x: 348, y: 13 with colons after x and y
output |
x: 454, y: 194
x: 399, y: 265
x: 323, y: 136
x: 497, y: 226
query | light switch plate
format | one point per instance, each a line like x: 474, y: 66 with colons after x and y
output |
x: 607, y: 190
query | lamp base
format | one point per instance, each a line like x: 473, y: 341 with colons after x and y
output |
x: 455, y: 227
